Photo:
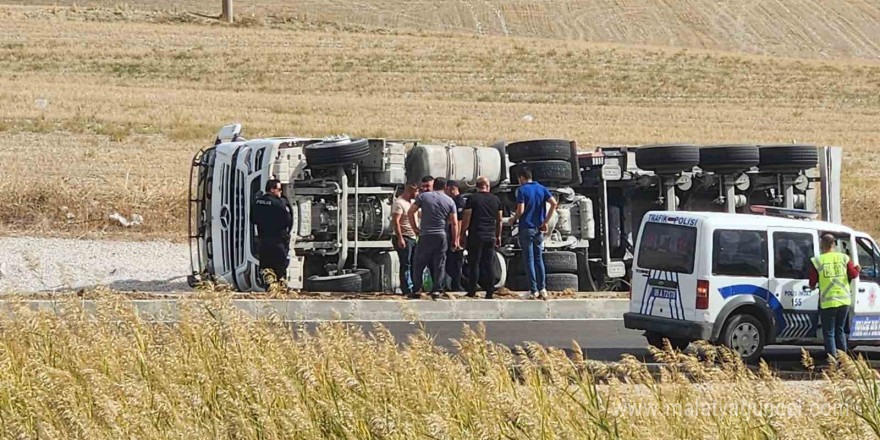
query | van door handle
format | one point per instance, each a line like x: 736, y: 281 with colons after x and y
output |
x: 862, y: 290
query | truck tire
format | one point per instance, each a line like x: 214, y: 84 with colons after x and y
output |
x: 668, y: 159
x: 336, y: 152
x: 745, y: 335
x: 554, y: 262
x: 545, y: 171
x: 728, y: 159
x: 348, y: 282
x: 500, y: 268
x: 556, y: 282
x: 787, y: 157
x: 615, y: 229
x: 539, y: 149
x: 366, y: 280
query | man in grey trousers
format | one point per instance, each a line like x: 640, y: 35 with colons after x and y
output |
x: 438, y: 211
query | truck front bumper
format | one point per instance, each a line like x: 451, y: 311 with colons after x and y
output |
x: 675, y: 328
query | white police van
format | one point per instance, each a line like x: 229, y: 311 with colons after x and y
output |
x: 742, y: 280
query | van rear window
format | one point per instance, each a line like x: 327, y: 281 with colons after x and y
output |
x: 669, y: 248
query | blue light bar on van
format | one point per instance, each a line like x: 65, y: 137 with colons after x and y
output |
x: 776, y: 211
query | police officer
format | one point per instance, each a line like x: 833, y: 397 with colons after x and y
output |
x: 273, y: 218
x: 833, y: 271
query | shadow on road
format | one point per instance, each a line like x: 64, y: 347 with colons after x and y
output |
x: 175, y: 284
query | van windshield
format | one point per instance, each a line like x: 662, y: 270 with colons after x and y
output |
x: 668, y: 248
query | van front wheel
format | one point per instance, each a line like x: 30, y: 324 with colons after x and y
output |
x: 745, y: 335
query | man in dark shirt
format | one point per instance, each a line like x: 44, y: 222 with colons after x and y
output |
x: 454, y: 255
x: 482, y: 221
x: 273, y: 218
x: 438, y: 211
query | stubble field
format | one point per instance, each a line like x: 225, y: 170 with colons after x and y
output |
x: 102, y: 109
x: 802, y: 28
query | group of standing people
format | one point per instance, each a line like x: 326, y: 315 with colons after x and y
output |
x: 433, y: 242
x: 448, y: 224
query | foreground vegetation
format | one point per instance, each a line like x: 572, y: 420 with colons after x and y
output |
x: 220, y: 374
x: 102, y: 109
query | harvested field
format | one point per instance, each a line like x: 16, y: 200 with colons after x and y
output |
x: 101, y: 111
x: 810, y: 29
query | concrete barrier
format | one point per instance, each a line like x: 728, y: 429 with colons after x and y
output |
x: 313, y: 310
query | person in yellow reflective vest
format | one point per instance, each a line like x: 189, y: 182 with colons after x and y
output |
x: 833, y: 271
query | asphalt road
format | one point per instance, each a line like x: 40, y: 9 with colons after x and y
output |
x: 604, y: 340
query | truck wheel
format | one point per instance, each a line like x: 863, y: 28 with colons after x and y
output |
x: 545, y: 171
x: 539, y: 149
x: 348, y: 282
x: 728, y: 158
x: 556, y: 282
x: 518, y: 283
x: 500, y: 269
x: 745, y: 335
x: 656, y: 340
x: 554, y: 262
x: 669, y: 159
x: 787, y: 157
x: 336, y: 152
x: 366, y: 280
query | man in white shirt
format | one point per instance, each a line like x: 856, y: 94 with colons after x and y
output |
x: 404, y: 238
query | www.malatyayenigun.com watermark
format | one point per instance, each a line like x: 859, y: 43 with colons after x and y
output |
x: 732, y: 409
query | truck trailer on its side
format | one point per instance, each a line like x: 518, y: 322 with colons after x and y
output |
x: 341, y: 190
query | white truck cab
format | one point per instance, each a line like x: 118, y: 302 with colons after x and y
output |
x: 742, y: 280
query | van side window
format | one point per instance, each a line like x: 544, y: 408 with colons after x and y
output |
x: 739, y: 253
x: 791, y: 255
x: 867, y: 260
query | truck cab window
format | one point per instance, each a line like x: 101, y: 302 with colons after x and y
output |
x: 792, y: 252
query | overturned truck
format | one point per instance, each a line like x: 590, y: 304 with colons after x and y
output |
x: 341, y: 190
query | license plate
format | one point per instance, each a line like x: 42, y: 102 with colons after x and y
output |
x: 664, y: 293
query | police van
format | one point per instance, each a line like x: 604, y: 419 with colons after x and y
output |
x: 743, y: 280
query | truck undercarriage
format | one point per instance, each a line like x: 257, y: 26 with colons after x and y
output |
x: 341, y: 191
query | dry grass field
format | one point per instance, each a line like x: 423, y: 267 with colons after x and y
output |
x: 219, y: 374
x: 803, y: 28
x: 101, y: 109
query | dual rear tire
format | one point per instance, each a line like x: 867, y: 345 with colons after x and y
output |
x: 561, y: 272
x: 549, y: 160
x: 726, y: 159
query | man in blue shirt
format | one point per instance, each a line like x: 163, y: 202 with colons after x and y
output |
x: 531, y: 201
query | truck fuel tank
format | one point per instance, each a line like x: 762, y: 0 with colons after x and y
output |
x: 460, y: 163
